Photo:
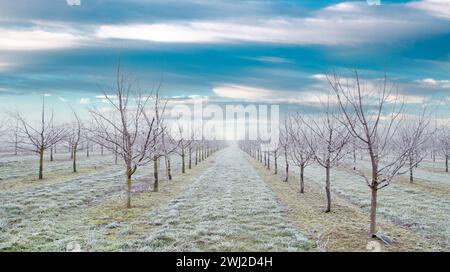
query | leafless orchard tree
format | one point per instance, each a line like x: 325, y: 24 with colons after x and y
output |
x: 301, y: 152
x: 88, y: 135
x: 373, y: 115
x: 326, y: 139
x: 169, y: 145
x: 39, y: 138
x: 191, y: 149
x: 158, y: 149
x: 184, y: 137
x: 276, y: 154
x: 444, y: 143
x: 409, y: 134
x: 74, y: 136
x: 125, y: 125
x: 15, y: 137
x: 285, y: 141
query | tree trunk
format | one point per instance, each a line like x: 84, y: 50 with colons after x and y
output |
x: 51, y: 153
x: 101, y: 150
x: 373, y: 211
x: 287, y: 166
x: 128, y: 196
x: 190, y: 157
x: 16, y: 144
x: 41, y: 162
x: 74, y: 164
x: 275, y: 163
x: 115, y: 155
x: 373, y: 201
x: 302, y: 179
x: 327, y: 189
x: 87, y: 151
x: 411, y: 177
x: 446, y: 163
x: 155, y: 174
x: 268, y: 160
x: 196, y: 156
x: 183, y: 165
x: 169, y: 169
x: 354, y: 159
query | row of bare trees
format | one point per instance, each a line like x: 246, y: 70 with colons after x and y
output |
x: 355, y: 117
x: 131, y: 125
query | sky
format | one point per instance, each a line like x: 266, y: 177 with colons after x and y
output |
x: 252, y: 51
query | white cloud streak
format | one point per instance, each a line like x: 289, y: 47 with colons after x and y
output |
x: 36, y: 39
x: 348, y: 23
x: 85, y: 100
x: 342, y: 24
x: 263, y: 95
x: 437, y: 8
x: 431, y: 82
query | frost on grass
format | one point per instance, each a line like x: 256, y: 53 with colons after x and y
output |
x: 42, y: 218
x: 25, y: 166
x: 427, y: 172
x: 49, y: 217
x: 227, y: 208
x: 416, y: 209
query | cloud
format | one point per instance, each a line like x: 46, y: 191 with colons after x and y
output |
x: 269, y: 59
x: 5, y: 66
x: 342, y: 24
x: 431, y: 82
x: 320, y: 77
x: 370, y: 88
x: 347, y: 23
x: 242, y: 92
x: 73, y: 2
x: 264, y: 95
x: 85, y: 100
x: 437, y: 8
x: 36, y: 39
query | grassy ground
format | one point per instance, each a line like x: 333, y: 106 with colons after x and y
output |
x: 438, y: 189
x: 117, y: 226
x: 54, y: 177
x: 49, y: 215
x: 226, y: 208
x: 345, y: 228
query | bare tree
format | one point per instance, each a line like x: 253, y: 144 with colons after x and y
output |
x: 373, y: 115
x: 444, y: 139
x: 301, y: 148
x: 417, y: 151
x: 169, y: 145
x: 16, y: 138
x: 276, y: 155
x: 326, y: 140
x: 75, y: 137
x: 285, y: 141
x: 128, y: 129
x: 184, y: 144
x: 158, y: 150
x: 39, y: 138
